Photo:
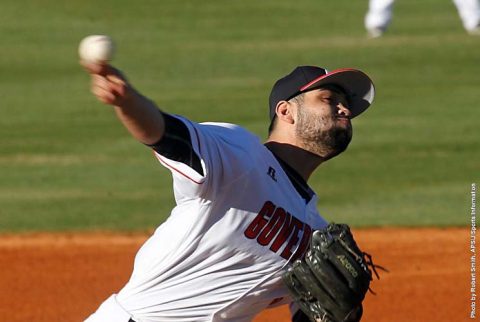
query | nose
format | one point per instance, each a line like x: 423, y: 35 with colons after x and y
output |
x: 343, y: 110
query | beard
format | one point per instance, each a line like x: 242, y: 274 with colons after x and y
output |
x: 323, y: 137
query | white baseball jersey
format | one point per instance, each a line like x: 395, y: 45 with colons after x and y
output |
x: 220, y: 254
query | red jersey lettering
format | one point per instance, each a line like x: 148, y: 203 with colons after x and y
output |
x: 273, y: 226
x: 297, y: 226
x: 274, y: 223
x: 260, y: 220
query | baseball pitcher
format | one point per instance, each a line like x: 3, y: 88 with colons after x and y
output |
x: 245, y: 233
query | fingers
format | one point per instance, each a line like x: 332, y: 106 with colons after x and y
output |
x: 100, y: 87
x: 118, y: 85
x: 91, y: 68
x: 110, y: 89
x: 100, y: 69
x: 108, y: 84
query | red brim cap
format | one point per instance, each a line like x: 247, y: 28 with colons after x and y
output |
x: 356, y: 84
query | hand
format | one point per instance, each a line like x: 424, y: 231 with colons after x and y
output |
x: 330, y: 283
x: 137, y: 113
x: 109, y: 85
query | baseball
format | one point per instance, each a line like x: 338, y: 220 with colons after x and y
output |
x: 96, y: 49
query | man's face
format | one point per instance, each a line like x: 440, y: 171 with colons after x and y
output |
x: 323, y: 122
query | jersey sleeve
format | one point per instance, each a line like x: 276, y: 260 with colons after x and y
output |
x: 224, y: 153
x: 176, y: 144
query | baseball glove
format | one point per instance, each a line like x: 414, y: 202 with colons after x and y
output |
x: 330, y: 282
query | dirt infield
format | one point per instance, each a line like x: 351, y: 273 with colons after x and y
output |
x: 64, y: 277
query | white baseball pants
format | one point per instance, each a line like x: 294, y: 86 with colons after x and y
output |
x: 380, y: 12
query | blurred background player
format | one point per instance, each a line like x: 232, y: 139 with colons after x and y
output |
x: 379, y: 16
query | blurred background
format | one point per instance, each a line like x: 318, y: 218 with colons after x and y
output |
x: 67, y: 164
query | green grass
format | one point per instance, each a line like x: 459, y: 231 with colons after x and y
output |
x: 67, y: 164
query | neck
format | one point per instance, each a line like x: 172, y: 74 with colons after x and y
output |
x: 302, y: 161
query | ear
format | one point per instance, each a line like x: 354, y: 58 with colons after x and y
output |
x: 284, y: 112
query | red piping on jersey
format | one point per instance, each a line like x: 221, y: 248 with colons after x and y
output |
x: 336, y: 71
x: 160, y: 158
x: 175, y: 169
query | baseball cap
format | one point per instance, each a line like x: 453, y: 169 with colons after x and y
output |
x: 357, y: 86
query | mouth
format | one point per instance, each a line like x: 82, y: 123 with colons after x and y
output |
x: 343, y: 119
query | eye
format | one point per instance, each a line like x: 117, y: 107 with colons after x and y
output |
x: 327, y: 99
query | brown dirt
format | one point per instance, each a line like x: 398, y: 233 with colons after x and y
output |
x: 64, y: 277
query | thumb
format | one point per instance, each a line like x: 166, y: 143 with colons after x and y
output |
x: 105, y: 70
